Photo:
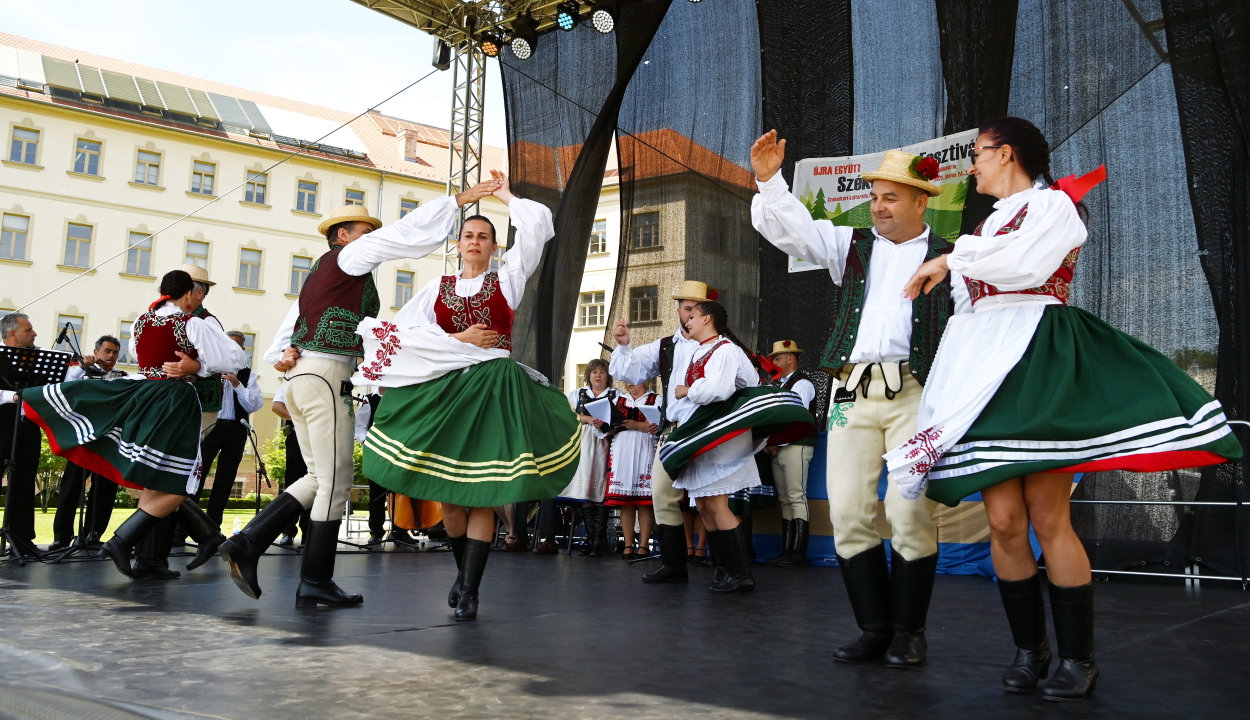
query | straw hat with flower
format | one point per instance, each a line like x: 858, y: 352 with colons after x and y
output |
x: 915, y: 170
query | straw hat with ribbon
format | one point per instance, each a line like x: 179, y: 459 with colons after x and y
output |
x: 900, y: 167
x: 348, y: 213
x: 197, y: 273
x: 785, y: 346
x: 697, y: 291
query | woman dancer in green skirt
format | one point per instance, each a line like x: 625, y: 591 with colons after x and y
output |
x: 1025, y: 391
x: 462, y: 424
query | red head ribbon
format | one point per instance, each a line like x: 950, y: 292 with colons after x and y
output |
x: 158, y: 302
x: 1077, y: 187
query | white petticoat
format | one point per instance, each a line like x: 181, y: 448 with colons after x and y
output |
x: 726, y: 468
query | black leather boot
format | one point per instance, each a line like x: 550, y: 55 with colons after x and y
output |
x: 1073, y: 611
x: 475, y: 554
x: 590, y: 523
x: 747, y: 528
x: 316, y: 575
x: 125, y: 538
x: 152, y: 552
x: 672, y: 540
x: 201, y: 528
x: 867, y: 578
x: 243, y: 549
x: 457, y: 551
x: 1026, y: 614
x: 731, y: 547
x: 797, y: 554
x: 787, y: 542
x: 599, y: 547
x: 911, y: 588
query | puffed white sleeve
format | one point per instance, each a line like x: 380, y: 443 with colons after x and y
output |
x: 282, y: 339
x: 783, y: 221
x: 805, y: 390
x: 415, y: 235
x: 419, y: 311
x: 217, y: 352
x: 534, y: 228
x: 362, y: 422
x: 720, y: 379
x: 635, y: 365
x: 572, y: 397
x: 1028, y: 256
x: 959, y: 294
x: 250, y: 396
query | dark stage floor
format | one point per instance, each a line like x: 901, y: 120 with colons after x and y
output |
x: 573, y: 637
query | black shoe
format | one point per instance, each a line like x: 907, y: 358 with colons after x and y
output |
x: 797, y: 555
x: 152, y: 552
x: 125, y: 538
x: 402, y: 538
x: 145, y: 569
x: 787, y: 542
x: 475, y: 554
x: 316, y: 574
x: 867, y: 578
x: 672, y: 541
x: 206, y: 534
x: 61, y: 543
x: 1073, y: 611
x: 93, y: 541
x: 911, y: 588
x: 731, y: 547
x: 243, y: 550
x: 377, y: 539
x: 1026, y: 614
x: 287, y: 540
x: 457, y: 551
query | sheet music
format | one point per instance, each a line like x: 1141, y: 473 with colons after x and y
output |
x: 601, y: 410
x: 651, y: 413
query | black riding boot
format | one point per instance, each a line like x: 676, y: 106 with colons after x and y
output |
x: 796, y: 556
x: 787, y: 542
x: 1072, y: 609
x: 867, y: 578
x: 599, y: 544
x: 457, y: 551
x: 152, y: 552
x: 124, y: 539
x: 201, y: 528
x: 747, y: 528
x: 731, y: 547
x: 475, y: 554
x: 672, y: 540
x: 316, y: 575
x: 911, y: 588
x: 243, y: 549
x: 590, y: 523
x: 1026, y: 614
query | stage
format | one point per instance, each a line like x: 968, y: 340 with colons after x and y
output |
x: 573, y: 637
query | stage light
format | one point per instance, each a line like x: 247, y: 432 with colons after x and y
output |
x: 524, y: 37
x: 603, y: 16
x: 490, y: 44
x: 695, y: 1
x: 442, y: 56
x: 566, y: 15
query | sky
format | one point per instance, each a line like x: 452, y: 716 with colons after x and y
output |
x: 333, y: 53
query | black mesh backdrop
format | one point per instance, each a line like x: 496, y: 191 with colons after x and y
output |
x: 1209, y: 45
x: 685, y: 131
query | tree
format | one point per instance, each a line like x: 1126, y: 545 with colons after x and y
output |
x: 49, y: 473
x: 274, y: 455
x: 960, y: 196
x: 818, y: 207
x: 837, y: 210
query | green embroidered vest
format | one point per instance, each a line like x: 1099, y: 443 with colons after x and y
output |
x: 929, y: 312
x: 331, y: 305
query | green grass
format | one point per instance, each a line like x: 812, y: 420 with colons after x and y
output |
x: 43, y: 522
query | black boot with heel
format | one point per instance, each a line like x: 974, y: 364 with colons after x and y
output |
x: 672, y: 540
x: 201, y: 528
x: 1072, y: 609
x: 911, y: 588
x: 457, y: 550
x: 867, y: 578
x: 124, y: 539
x: 475, y: 554
x: 1026, y: 614
x: 316, y: 575
x: 242, y: 551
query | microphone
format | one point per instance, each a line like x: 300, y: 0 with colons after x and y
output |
x: 64, y: 334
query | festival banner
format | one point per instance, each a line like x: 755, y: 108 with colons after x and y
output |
x: 833, y: 189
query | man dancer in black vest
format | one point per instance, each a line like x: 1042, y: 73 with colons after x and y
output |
x: 790, y: 461
x: 880, y: 352
x: 636, y: 366
x: 317, y: 348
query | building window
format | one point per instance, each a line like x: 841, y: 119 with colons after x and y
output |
x: 78, y: 245
x: 139, y: 254
x: 254, y: 190
x: 148, y: 168
x: 87, y: 158
x: 25, y: 143
x: 123, y: 333
x: 355, y: 197
x: 590, y: 309
x: 403, y: 288
x: 249, y: 346
x: 75, y: 322
x: 13, y: 237
x: 644, y: 303
x: 249, y: 269
x: 306, y: 197
x: 407, y: 206
x: 300, y: 267
x: 202, y: 175
x: 599, y: 238
x: 646, y: 230
x: 197, y: 254
x: 581, y: 371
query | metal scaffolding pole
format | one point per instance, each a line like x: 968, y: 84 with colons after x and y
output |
x: 467, y: 108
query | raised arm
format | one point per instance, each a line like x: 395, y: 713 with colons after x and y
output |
x: 635, y: 365
x: 534, y: 228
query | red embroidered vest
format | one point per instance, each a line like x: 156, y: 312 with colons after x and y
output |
x: 456, y: 314
x: 157, y: 341
x: 699, y: 367
x: 1059, y: 286
x: 633, y: 413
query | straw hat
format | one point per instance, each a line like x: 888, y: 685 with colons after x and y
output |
x: 896, y: 166
x: 348, y: 213
x: 785, y: 346
x: 695, y: 290
x: 197, y: 273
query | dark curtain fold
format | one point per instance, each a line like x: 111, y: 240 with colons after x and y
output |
x: 1209, y: 47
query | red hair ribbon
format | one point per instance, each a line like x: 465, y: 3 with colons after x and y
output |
x: 770, y: 367
x: 1077, y: 187
x: 158, y: 302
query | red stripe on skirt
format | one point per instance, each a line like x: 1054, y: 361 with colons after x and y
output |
x: 1150, y: 462
x: 80, y: 455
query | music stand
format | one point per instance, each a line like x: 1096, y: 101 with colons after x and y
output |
x: 22, y: 368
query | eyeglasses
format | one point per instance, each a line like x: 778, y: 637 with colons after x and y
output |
x: 977, y: 150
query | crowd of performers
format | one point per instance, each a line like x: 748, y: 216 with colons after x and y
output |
x: 958, y: 366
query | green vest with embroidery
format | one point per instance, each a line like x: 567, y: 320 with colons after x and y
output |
x: 331, y: 305
x: 929, y: 312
